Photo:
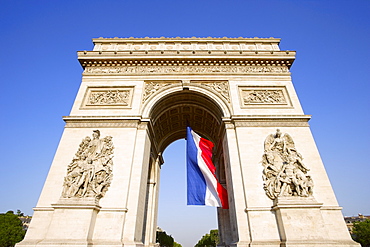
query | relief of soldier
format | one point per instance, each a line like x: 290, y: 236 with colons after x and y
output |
x: 90, y: 172
x: 284, y: 173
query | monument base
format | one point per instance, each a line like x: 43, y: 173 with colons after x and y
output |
x: 301, y: 223
x: 72, y: 224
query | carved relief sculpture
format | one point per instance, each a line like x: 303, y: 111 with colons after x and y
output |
x: 152, y: 87
x: 220, y: 87
x: 264, y: 97
x: 90, y: 172
x: 198, y: 69
x: 117, y: 97
x: 284, y: 173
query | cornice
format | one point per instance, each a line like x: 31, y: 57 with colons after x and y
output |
x: 193, y: 66
x: 102, y: 121
x: 101, y: 39
x: 184, y: 55
x: 270, y: 121
x: 103, y: 61
x: 101, y: 44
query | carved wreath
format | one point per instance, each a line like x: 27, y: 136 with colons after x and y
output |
x: 90, y: 172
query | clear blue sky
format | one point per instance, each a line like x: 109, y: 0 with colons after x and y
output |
x: 40, y: 76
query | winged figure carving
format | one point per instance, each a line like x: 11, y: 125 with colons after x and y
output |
x: 90, y: 172
x: 284, y: 172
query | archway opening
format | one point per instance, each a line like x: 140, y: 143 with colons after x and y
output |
x: 169, y: 118
x: 186, y: 224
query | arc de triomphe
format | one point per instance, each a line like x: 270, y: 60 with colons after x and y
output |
x: 136, y: 97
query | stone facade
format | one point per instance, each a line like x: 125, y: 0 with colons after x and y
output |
x: 140, y: 93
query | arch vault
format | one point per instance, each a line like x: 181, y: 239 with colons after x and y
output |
x: 136, y: 97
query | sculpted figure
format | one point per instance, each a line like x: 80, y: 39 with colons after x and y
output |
x: 284, y: 172
x: 90, y: 172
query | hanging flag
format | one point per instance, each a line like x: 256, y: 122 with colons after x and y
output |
x: 203, y: 186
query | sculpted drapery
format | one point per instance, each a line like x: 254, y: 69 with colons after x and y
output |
x: 284, y: 172
x: 90, y: 172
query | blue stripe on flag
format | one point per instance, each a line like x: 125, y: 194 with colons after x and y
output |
x: 196, y: 182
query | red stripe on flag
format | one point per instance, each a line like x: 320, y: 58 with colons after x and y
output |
x: 206, y: 147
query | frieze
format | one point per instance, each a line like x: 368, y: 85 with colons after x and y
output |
x: 264, y: 96
x: 186, y: 69
x: 120, y: 97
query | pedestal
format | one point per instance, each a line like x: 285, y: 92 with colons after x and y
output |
x: 301, y: 223
x: 72, y: 222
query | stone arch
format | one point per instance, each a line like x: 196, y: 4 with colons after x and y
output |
x: 171, y: 113
x: 221, y: 103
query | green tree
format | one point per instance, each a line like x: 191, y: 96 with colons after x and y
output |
x: 175, y: 244
x: 11, y: 230
x: 211, y: 239
x: 164, y: 240
x: 19, y: 213
x: 361, y: 232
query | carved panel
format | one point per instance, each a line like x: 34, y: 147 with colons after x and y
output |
x: 152, y: 87
x: 220, y: 87
x: 188, y: 69
x: 284, y: 173
x: 264, y: 97
x: 107, y: 97
x: 90, y: 172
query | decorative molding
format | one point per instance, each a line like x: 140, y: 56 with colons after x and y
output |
x: 262, y: 96
x: 123, y: 210
x: 43, y: 209
x: 229, y: 125
x: 101, y: 121
x: 107, y: 97
x: 102, y: 124
x: 186, y: 44
x: 271, y: 124
x: 220, y: 87
x: 271, y: 121
x: 143, y: 69
x: 151, y: 87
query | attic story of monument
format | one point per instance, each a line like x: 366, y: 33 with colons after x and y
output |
x: 137, y: 96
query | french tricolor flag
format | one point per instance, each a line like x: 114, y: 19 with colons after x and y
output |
x: 203, y: 186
